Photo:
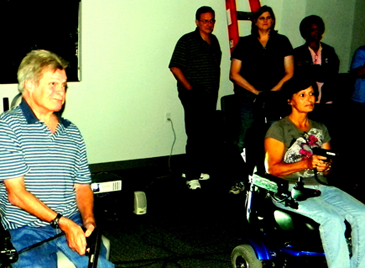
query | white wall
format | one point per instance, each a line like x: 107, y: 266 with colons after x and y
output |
x: 126, y: 86
x: 338, y: 16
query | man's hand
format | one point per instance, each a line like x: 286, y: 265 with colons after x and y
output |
x: 75, y: 236
x: 90, y: 227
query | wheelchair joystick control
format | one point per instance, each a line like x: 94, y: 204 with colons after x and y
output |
x: 299, y: 193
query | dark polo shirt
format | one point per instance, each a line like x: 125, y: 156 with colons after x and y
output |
x: 199, y: 61
x: 262, y: 67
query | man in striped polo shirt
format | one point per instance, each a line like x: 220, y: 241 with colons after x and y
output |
x: 44, y: 172
x: 195, y: 64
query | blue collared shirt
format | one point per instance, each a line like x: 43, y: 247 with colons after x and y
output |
x: 50, y: 163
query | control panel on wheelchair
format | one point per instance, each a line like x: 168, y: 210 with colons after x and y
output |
x: 278, y: 190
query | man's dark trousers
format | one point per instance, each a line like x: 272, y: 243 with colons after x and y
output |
x: 199, y: 111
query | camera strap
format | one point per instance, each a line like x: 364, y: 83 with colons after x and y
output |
x: 317, y: 179
x: 41, y: 243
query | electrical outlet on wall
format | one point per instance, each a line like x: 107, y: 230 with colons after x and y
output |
x: 167, y: 117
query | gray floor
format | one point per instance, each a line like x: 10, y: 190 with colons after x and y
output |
x: 182, y: 228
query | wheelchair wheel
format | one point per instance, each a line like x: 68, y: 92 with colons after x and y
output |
x: 243, y: 256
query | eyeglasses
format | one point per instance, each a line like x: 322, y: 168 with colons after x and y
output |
x: 207, y: 21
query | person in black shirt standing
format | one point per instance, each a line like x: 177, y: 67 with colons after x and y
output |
x: 261, y: 62
x: 321, y: 62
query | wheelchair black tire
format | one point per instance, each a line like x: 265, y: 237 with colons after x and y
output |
x: 243, y: 256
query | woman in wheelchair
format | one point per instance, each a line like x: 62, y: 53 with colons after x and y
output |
x: 289, y: 145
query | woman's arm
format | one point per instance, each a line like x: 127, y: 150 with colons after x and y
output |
x: 236, y: 77
x: 289, y: 71
x: 274, y: 155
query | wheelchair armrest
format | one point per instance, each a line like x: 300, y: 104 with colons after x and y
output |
x: 275, y: 185
x: 270, y: 183
x: 283, y: 185
x: 280, y: 189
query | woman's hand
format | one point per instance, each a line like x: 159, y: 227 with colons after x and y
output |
x: 318, y: 162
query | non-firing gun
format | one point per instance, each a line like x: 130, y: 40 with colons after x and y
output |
x: 93, y: 247
x: 331, y: 155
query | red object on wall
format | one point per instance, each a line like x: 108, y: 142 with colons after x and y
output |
x: 254, y: 5
x: 232, y: 23
x: 233, y: 33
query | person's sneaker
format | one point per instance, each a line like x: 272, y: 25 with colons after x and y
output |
x: 203, y: 176
x: 193, y: 184
x: 237, y: 188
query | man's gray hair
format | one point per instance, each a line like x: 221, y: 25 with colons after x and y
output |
x: 35, y: 62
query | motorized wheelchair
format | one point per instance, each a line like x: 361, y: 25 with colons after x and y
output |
x: 277, y: 237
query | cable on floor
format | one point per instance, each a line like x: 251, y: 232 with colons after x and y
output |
x: 173, y: 144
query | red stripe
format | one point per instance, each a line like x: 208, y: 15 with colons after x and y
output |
x: 233, y: 33
x: 254, y: 5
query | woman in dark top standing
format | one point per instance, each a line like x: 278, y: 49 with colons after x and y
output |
x: 261, y: 62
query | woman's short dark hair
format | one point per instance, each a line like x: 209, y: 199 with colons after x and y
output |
x: 306, y: 24
x: 257, y: 14
x: 204, y: 9
x: 300, y: 81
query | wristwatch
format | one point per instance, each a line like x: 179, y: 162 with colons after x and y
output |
x: 55, y: 222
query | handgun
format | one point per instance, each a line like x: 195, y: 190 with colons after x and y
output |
x: 331, y: 155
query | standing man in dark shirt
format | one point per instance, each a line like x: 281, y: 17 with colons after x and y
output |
x: 195, y: 64
x: 317, y: 58
x: 320, y: 61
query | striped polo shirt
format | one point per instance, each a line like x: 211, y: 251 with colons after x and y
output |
x: 50, y: 163
x: 199, y: 61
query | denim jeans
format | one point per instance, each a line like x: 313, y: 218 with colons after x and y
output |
x: 247, y: 119
x: 330, y: 210
x: 45, y: 255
